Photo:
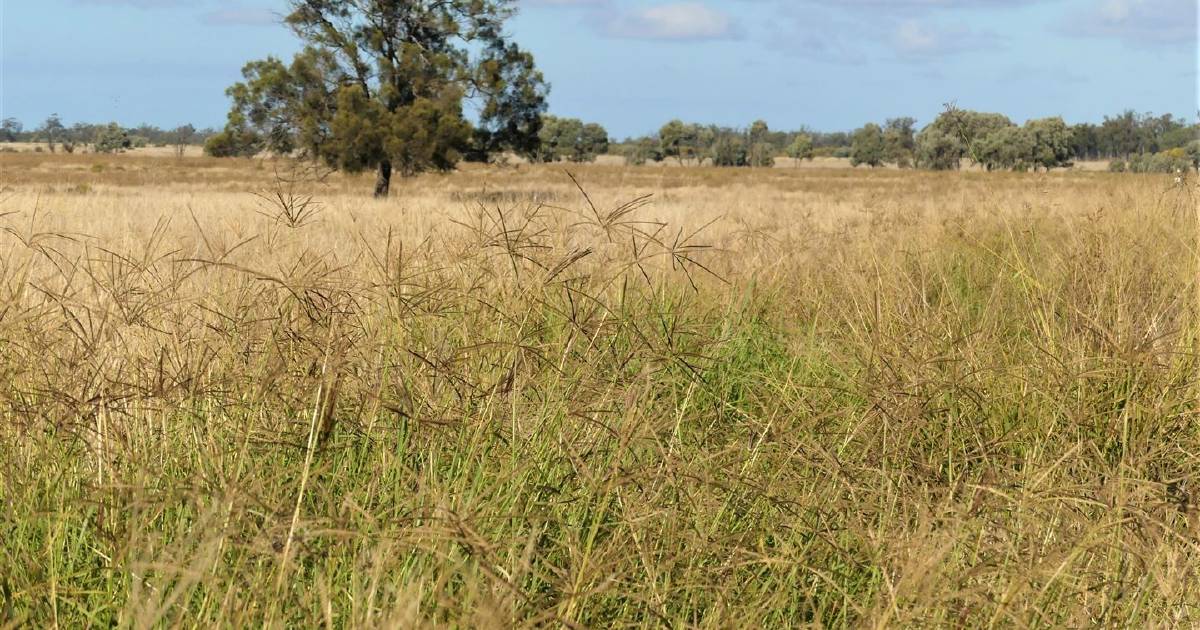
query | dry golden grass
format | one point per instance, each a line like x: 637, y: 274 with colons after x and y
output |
x: 773, y: 398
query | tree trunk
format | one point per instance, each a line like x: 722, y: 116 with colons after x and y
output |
x: 383, y: 181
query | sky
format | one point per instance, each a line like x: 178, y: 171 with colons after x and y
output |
x: 631, y: 65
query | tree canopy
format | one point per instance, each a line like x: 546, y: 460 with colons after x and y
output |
x: 570, y: 139
x: 867, y: 146
x: 382, y: 84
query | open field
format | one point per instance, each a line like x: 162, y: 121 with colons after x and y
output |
x: 765, y: 398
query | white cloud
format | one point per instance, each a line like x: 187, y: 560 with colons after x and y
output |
x: 840, y: 37
x: 681, y: 21
x: 923, y: 39
x: 820, y: 35
x: 1138, y: 22
x: 913, y: 37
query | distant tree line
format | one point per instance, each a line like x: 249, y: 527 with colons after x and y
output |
x: 1132, y: 142
x: 570, y: 139
x: 55, y: 136
x: 753, y: 146
x: 1135, y: 142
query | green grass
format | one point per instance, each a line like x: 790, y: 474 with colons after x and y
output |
x: 987, y: 424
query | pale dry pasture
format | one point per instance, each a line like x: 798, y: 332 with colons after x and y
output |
x: 234, y: 393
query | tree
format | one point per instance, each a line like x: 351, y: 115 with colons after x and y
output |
x: 644, y: 150
x: 184, y: 134
x: 570, y: 139
x: 112, y: 139
x: 1085, y: 140
x: 1160, y: 132
x: 233, y: 141
x: 1051, y: 143
x: 679, y: 140
x: 938, y: 149
x: 1119, y: 136
x: 801, y: 148
x: 1006, y: 148
x: 899, y: 140
x: 762, y: 155
x: 593, y: 142
x: 51, y: 131
x: 969, y: 128
x: 1179, y: 136
x: 511, y: 118
x: 867, y: 146
x: 729, y: 149
x: 557, y: 137
x: 10, y: 129
x: 382, y: 84
x: 759, y: 132
x: 955, y: 134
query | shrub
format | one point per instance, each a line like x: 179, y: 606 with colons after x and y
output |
x: 571, y: 139
x: 868, y: 146
x: 801, y: 148
x: 729, y: 150
x: 233, y: 143
x: 1171, y: 161
x: 762, y: 155
x: 112, y: 139
x: 644, y: 150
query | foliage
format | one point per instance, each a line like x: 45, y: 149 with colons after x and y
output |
x: 1051, y: 142
x: 51, y: 131
x: 81, y: 133
x: 761, y: 151
x: 236, y: 140
x: 868, y: 146
x: 801, y: 147
x: 1007, y: 148
x: 679, y: 140
x: 759, y: 133
x: 899, y: 140
x: 512, y: 114
x: 956, y: 134
x: 571, y: 139
x: 1170, y: 161
x: 938, y: 149
x: 184, y: 135
x: 762, y: 155
x: 730, y: 150
x: 112, y: 139
x: 383, y: 85
x: 10, y: 130
x: 643, y: 150
x: 593, y: 143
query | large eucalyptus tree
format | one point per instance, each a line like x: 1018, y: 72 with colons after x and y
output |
x: 383, y: 84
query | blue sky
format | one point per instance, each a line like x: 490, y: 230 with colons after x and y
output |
x: 633, y: 64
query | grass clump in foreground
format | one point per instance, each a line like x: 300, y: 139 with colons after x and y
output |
x: 980, y: 416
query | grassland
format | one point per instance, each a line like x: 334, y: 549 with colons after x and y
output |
x: 774, y: 398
